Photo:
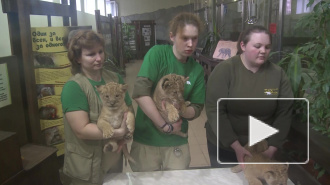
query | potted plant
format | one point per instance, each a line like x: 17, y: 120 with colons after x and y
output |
x: 211, y: 40
x: 128, y: 40
x: 308, y: 68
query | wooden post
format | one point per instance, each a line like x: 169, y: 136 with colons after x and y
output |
x: 98, y: 21
x: 120, y: 46
x: 73, y: 10
x: 23, y: 8
x: 66, y: 21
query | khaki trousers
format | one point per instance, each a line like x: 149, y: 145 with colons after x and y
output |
x: 152, y: 158
x: 112, y: 162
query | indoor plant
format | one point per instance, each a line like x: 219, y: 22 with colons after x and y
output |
x: 308, y: 68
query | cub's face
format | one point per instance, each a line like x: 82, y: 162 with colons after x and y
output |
x: 279, y: 176
x: 173, y: 86
x: 112, y: 94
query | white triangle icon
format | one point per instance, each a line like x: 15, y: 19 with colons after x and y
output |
x: 259, y: 130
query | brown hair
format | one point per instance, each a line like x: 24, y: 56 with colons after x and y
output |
x: 79, y: 39
x: 246, y: 34
x: 183, y: 19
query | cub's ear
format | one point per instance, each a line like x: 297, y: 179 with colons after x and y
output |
x: 185, y: 79
x: 99, y: 88
x: 124, y: 87
x: 165, y: 83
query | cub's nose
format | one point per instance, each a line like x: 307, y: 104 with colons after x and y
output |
x: 112, y: 103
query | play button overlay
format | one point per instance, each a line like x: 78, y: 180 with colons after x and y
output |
x: 259, y: 130
x: 251, y: 120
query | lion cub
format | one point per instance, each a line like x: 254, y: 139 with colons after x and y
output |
x: 273, y: 174
x: 113, y: 97
x: 170, y: 90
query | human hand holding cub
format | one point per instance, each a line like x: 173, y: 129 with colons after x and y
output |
x: 176, y: 125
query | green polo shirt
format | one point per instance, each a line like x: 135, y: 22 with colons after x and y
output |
x: 158, y: 62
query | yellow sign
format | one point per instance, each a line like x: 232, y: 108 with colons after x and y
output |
x: 52, y: 76
x: 48, y: 39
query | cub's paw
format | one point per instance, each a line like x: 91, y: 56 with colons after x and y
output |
x: 110, y: 147
x: 184, y: 106
x: 130, y: 123
x: 236, y: 169
x: 173, y: 116
x: 107, y: 133
x: 107, y: 148
x: 187, y: 103
x: 128, y: 136
x: 130, y: 129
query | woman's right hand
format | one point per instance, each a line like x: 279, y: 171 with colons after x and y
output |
x: 122, y: 130
x: 123, y: 125
x: 240, y: 152
x: 177, y: 126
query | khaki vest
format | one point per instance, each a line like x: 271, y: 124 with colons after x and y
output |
x: 83, y: 158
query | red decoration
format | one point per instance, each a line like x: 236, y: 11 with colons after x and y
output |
x: 272, y: 28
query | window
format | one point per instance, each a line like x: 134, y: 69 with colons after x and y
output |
x: 288, y: 7
x: 111, y: 8
x: 78, y: 4
x: 90, y: 6
x: 302, y: 6
x: 100, y: 6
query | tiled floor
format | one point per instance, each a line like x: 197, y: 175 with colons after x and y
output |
x: 196, y: 132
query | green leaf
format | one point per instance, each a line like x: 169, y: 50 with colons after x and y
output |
x: 282, y: 61
x: 320, y: 113
x: 321, y: 173
x: 317, y: 166
x: 325, y: 88
x: 328, y: 115
x: 318, y: 127
x: 310, y: 3
x: 294, y: 72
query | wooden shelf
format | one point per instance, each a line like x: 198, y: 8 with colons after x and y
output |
x: 33, y: 155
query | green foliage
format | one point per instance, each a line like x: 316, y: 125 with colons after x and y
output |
x: 112, y: 65
x: 308, y: 66
x: 127, y: 36
x: 212, y: 38
x: 321, y: 170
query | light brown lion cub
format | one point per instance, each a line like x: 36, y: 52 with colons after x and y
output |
x: 113, y: 97
x: 169, y: 94
x: 273, y: 174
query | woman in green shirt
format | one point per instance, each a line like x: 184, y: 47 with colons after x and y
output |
x: 153, y: 149
x: 84, y: 160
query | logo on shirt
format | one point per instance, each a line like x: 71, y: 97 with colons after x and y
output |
x: 188, y: 82
x: 269, y: 92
